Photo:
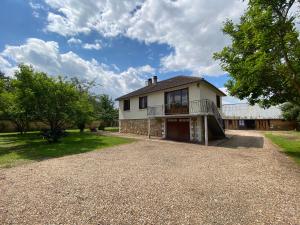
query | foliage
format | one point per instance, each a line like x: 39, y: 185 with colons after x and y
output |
x: 84, y: 109
x: 84, y: 112
x: 14, y: 111
x: 263, y: 59
x: 291, y: 111
x: 289, y: 142
x: 10, y: 105
x: 58, y: 102
x: 112, y: 129
x: 2, y: 90
x: 50, y: 100
x: 53, y: 135
x: 104, y: 110
x: 18, y: 149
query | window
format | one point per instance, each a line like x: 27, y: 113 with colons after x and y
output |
x: 241, y: 123
x: 177, y: 102
x: 218, y: 101
x: 179, y: 97
x: 143, y: 102
x: 126, y: 105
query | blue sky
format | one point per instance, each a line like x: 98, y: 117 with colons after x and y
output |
x: 120, y: 43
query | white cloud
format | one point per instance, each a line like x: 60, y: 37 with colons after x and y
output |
x: 90, y: 46
x: 46, y: 56
x: 74, y: 41
x: 36, y: 8
x: 5, y: 66
x: 35, y: 5
x: 191, y: 27
x: 230, y: 99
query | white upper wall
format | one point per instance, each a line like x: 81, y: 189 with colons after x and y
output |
x: 196, y: 92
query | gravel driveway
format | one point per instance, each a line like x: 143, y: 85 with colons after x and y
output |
x: 244, y: 181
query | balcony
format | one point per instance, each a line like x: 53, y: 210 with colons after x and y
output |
x: 197, y: 107
x: 173, y: 109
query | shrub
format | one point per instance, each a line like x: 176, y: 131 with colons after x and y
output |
x: 53, y: 135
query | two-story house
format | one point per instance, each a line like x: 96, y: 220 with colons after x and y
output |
x: 182, y: 108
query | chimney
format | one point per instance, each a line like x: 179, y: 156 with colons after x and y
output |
x: 149, y: 82
x: 154, y: 80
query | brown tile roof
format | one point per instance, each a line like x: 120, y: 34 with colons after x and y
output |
x: 166, y: 84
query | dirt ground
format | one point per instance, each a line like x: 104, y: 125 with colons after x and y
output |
x: 245, y: 180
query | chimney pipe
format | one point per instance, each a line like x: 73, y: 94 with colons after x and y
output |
x: 154, y: 79
x: 149, y: 82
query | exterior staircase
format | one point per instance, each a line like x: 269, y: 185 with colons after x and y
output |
x: 215, y: 121
x: 203, y: 107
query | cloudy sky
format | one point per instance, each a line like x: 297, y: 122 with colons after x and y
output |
x: 119, y: 43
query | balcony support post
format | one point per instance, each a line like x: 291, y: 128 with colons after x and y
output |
x: 206, y: 130
x: 149, y: 128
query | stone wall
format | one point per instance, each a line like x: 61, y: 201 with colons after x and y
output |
x: 196, y: 129
x: 8, y: 126
x: 140, y: 126
x: 156, y: 127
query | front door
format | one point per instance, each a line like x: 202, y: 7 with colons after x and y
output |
x: 178, y: 129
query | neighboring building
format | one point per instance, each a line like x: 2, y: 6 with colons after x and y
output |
x: 245, y: 116
x: 182, y: 108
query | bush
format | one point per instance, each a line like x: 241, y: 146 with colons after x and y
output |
x: 101, y: 127
x: 93, y: 129
x: 53, y: 135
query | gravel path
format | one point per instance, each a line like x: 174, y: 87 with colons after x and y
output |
x: 244, y: 181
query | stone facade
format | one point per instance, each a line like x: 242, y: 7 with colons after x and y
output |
x: 140, y: 126
x: 157, y: 128
x: 196, y: 129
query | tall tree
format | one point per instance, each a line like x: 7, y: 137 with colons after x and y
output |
x: 263, y: 59
x: 291, y: 111
x: 50, y: 100
x: 105, y: 110
x: 12, y: 110
x: 10, y: 107
x: 84, y: 108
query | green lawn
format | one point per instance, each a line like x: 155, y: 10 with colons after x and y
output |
x: 17, y: 149
x: 289, y: 142
x: 112, y: 129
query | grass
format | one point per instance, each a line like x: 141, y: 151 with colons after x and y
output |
x: 18, y: 149
x: 112, y: 129
x: 288, y: 141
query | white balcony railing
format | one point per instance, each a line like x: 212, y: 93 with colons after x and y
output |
x: 201, y: 107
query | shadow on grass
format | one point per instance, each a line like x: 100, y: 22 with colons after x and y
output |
x: 31, y: 146
x: 295, y: 155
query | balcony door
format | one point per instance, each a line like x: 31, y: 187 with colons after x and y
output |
x: 177, y: 102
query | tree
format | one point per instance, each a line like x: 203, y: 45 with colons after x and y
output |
x: 84, y: 111
x: 47, y: 99
x: 2, y: 75
x: 104, y: 110
x: 291, y: 112
x: 10, y: 106
x: 13, y: 111
x: 84, y: 108
x: 263, y: 59
x: 2, y: 84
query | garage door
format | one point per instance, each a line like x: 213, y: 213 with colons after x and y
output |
x: 178, y: 129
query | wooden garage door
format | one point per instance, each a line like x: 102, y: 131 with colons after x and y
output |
x: 178, y: 129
